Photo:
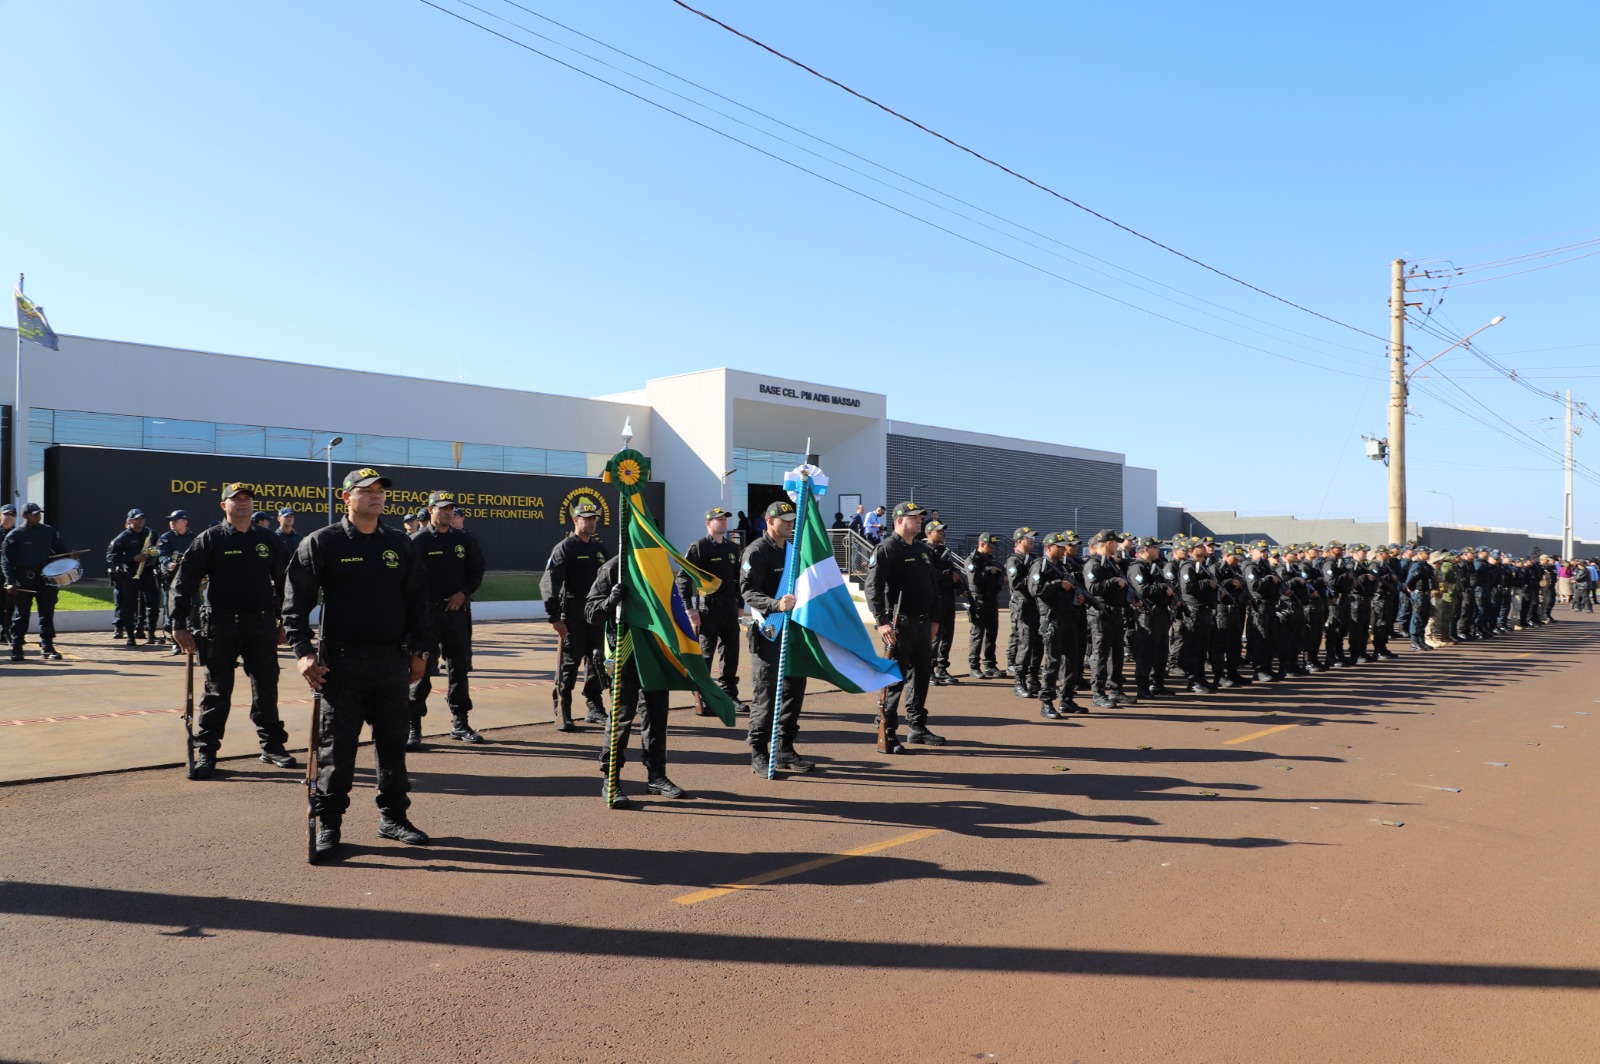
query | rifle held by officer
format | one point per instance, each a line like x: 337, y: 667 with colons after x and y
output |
x: 188, y: 715
x: 883, y: 692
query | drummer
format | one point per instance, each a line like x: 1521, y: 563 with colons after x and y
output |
x: 24, y: 554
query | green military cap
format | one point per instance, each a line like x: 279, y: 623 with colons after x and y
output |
x: 909, y: 509
x: 1055, y: 539
x: 237, y: 488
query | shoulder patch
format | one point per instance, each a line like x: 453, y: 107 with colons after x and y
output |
x: 873, y: 561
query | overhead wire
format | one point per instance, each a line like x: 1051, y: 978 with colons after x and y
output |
x: 883, y: 203
x: 1019, y: 176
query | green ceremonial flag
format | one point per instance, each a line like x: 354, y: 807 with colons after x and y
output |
x: 666, y: 650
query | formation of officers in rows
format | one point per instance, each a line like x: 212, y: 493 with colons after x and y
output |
x: 371, y: 611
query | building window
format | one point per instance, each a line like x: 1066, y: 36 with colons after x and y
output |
x: 526, y: 459
x: 382, y: 450
x: 249, y: 440
x: 166, y: 434
x: 99, y: 430
x: 431, y: 454
x: 568, y: 463
x: 483, y: 456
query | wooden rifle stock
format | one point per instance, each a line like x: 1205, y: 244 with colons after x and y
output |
x: 883, y: 692
x: 188, y: 715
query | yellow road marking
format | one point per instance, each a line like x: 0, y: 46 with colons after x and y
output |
x: 1529, y: 654
x: 804, y: 866
x: 1259, y: 734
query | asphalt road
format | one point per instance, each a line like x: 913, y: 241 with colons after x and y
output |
x: 1391, y: 863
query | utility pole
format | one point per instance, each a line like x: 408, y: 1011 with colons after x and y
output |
x: 1566, y: 525
x: 1397, y: 403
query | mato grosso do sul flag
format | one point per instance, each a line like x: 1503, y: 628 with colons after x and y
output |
x: 665, y: 650
x: 31, y: 323
x: 828, y: 640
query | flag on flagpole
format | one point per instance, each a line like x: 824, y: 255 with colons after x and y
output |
x: 829, y: 641
x: 666, y: 651
x: 31, y: 324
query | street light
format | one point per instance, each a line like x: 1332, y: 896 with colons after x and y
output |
x: 914, y: 488
x: 1399, y: 382
x: 336, y: 441
x: 1452, y: 498
x: 1075, y: 510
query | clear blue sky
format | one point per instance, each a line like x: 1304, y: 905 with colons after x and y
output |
x: 380, y: 186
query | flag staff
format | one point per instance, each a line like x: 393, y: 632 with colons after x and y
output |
x: 786, y: 587
x: 19, y: 441
x: 614, y: 736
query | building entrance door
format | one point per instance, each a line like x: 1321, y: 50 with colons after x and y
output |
x: 762, y: 496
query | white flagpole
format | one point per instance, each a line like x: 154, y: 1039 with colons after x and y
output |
x: 19, y: 425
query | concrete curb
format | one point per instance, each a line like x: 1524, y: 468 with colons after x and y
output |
x: 105, y: 620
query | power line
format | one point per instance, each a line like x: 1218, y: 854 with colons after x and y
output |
x: 1502, y: 244
x: 890, y: 170
x: 883, y: 203
x: 1503, y: 276
x: 1019, y: 176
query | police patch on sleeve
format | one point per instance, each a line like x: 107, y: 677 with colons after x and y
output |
x: 872, y: 561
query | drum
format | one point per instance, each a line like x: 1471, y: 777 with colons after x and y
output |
x: 63, y: 572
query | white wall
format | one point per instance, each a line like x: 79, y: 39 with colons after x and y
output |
x: 692, y: 444
x: 1139, y: 501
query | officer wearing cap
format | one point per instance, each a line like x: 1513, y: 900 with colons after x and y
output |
x: 564, y: 586
x: 900, y: 593
x: 25, y: 551
x: 760, y: 574
x: 1080, y: 609
x: 169, y: 549
x: 286, y: 533
x: 1420, y: 582
x: 1200, y: 644
x: 949, y: 580
x: 8, y: 601
x: 985, y: 577
x: 715, y: 616
x: 1265, y: 588
x: 413, y: 523
x: 132, y: 556
x: 1358, y: 608
x: 375, y: 622
x: 455, y: 566
x: 242, y: 567
x: 1232, y: 601
x: 1022, y: 646
x: 1107, y: 591
x: 1383, y: 600
x: 1055, y: 589
x: 1153, y: 623
x: 1171, y: 569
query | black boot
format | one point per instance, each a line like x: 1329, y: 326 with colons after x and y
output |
x: 50, y: 653
x: 328, y: 832
x: 597, y: 712
x: 1047, y: 708
x: 414, y: 735
x: 462, y: 732
x: 920, y: 734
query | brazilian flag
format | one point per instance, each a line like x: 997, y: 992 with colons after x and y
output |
x: 664, y: 647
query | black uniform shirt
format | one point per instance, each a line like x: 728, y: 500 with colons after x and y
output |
x: 1265, y: 585
x: 984, y: 575
x: 1044, y: 584
x: 1018, y: 566
x: 453, y: 559
x: 1150, y: 579
x: 289, y: 540
x: 946, y: 564
x: 760, y: 574
x: 1198, y: 588
x: 245, y: 569
x: 28, y: 550
x: 374, y: 588
x: 127, y: 548
x: 900, y: 574
x: 721, y: 560
x: 568, y: 574
x: 1419, y: 577
x: 1100, y: 576
x: 170, y: 547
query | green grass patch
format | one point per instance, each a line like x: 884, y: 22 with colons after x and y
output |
x: 504, y: 586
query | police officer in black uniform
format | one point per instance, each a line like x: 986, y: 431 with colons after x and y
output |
x: 1232, y: 610
x: 1153, y: 624
x: 455, y: 572
x: 243, y: 567
x: 8, y: 600
x: 900, y: 593
x: 1338, y: 585
x: 716, y: 614
x: 949, y: 581
x: 985, y: 576
x: 1056, y: 589
x: 760, y: 574
x: 132, y: 557
x: 600, y: 609
x: 1420, y: 580
x: 1265, y: 587
x: 24, y: 553
x: 169, y: 550
x: 564, y: 586
x: 1359, y: 611
x: 1022, y: 647
x: 1107, y: 591
x: 1383, y: 601
x: 375, y: 619
x: 286, y: 533
x: 1198, y: 589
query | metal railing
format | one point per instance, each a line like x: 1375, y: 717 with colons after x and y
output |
x: 852, y: 552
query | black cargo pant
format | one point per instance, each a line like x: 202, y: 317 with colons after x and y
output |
x: 1316, y: 627
x: 1058, y: 639
x: 913, y: 652
x: 138, y: 601
x: 1383, y: 609
x: 1106, y: 650
x: 363, y: 686
x: 1264, y: 634
x: 1337, y: 630
x: 228, y: 640
x: 1360, y: 620
x: 453, y: 642
x: 1231, y: 621
x: 944, y: 614
x: 1200, y: 644
x: 1483, y: 610
x: 719, y: 627
x: 584, y: 645
x: 764, y: 679
x: 1150, y: 648
x: 19, y: 609
x: 985, y: 618
x: 1025, y: 638
x: 652, y: 732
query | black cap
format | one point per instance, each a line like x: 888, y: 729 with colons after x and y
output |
x: 258, y: 515
x: 1105, y: 535
x: 442, y: 498
x: 934, y: 526
x: 988, y: 537
x: 585, y: 507
x: 361, y: 478
x: 178, y: 515
x: 910, y: 509
x: 782, y: 510
x: 285, y: 511
x: 32, y: 508
x: 8, y: 509
x: 1022, y: 533
x: 716, y: 512
x: 1055, y: 539
x: 1149, y: 541
x: 135, y: 512
x: 232, y: 489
